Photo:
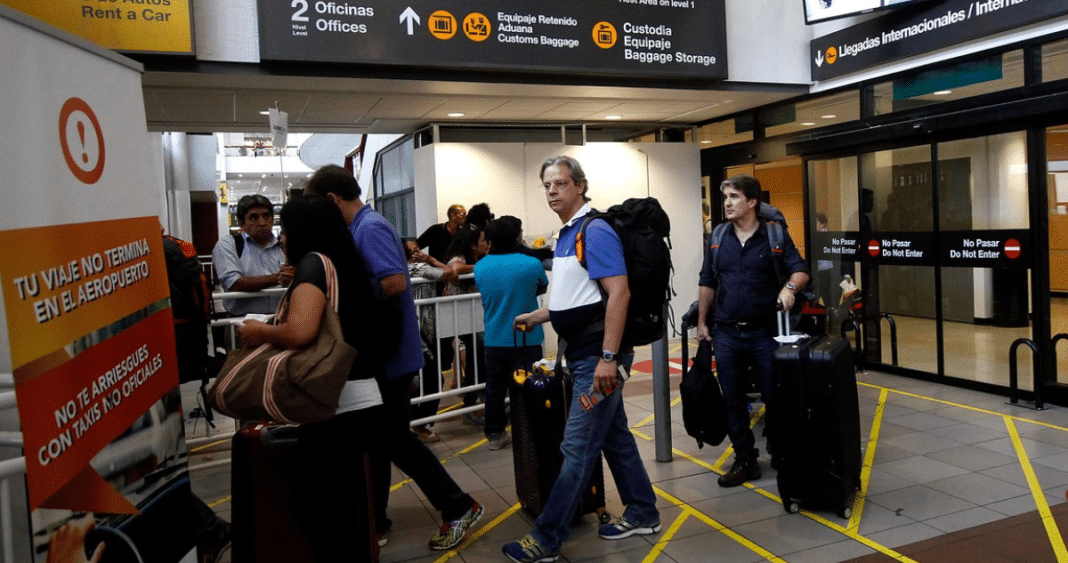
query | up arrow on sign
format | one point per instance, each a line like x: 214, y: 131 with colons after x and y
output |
x: 409, y: 15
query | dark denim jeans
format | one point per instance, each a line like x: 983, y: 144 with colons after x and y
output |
x: 500, y: 365
x: 588, y: 433
x: 736, y: 351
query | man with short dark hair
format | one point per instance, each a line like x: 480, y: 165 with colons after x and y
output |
x: 437, y: 237
x: 510, y: 283
x: 583, y: 297
x: 252, y: 259
x: 739, y: 290
x: 383, y: 253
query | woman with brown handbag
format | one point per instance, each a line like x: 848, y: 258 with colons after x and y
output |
x: 330, y: 497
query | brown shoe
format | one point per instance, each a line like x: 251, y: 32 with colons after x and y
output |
x: 425, y: 434
x: 744, y: 469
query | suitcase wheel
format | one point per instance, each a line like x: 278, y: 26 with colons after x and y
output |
x: 791, y: 506
x: 603, y: 516
x: 846, y: 512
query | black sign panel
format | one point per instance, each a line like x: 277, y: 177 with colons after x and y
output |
x: 986, y: 249
x: 907, y: 249
x: 836, y: 245
x: 932, y: 26
x: 652, y: 38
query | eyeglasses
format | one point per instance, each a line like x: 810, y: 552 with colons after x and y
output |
x: 559, y: 184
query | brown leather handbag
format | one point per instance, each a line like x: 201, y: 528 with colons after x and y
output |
x: 288, y: 386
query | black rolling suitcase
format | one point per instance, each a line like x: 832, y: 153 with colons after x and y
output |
x: 540, y: 403
x: 815, y: 424
x: 266, y: 465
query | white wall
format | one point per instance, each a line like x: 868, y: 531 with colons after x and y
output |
x: 767, y: 41
x: 505, y: 176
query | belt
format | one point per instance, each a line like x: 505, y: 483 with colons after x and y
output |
x: 745, y: 325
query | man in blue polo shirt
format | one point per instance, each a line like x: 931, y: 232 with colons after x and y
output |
x: 595, y: 360
x: 510, y: 283
x: 744, y: 289
x: 383, y: 253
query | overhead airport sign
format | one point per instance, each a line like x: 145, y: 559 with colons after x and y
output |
x: 910, y: 32
x: 651, y: 38
x: 149, y: 26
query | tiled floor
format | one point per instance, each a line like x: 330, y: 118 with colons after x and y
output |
x: 950, y: 475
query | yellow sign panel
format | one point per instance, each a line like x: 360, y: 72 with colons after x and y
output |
x: 442, y: 25
x: 477, y: 27
x: 77, y: 278
x: 161, y: 26
x: 604, y: 35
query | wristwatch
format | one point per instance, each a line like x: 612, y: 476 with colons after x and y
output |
x: 791, y: 286
x: 608, y: 355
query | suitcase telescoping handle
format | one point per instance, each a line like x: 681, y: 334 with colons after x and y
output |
x: 783, y: 317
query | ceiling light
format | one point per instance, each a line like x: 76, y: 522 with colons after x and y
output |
x: 829, y: 116
x: 456, y: 114
x: 808, y: 124
x: 265, y: 112
x: 942, y: 92
x: 263, y: 175
x: 706, y: 142
x: 613, y: 117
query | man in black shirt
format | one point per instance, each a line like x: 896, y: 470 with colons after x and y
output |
x: 437, y: 237
x: 741, y: 288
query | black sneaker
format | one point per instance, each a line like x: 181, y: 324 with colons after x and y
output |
x: 744, y: 469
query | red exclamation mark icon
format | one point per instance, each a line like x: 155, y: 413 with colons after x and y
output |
x: 81, y: 136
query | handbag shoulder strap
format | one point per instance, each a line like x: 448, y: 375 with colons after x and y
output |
x: 331, y: 280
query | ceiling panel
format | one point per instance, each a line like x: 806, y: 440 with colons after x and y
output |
x: 219, y: 102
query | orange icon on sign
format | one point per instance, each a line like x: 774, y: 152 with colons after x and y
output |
x: 442, y: 25
x: 604, y: 35
x: 477, y: 27
x: 832, y: 55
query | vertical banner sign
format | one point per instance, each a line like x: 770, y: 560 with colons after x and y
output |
x: 151, y: 26
x: 79, y: 279
x: 85, y: 322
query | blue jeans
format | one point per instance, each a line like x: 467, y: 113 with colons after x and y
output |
x: 736, y: 351
x: 500, y: 365
x: 588, y: 433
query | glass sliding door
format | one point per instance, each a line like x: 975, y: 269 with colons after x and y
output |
x: 1057, y: 168
x: 986, y: 293
x: 896, y: 220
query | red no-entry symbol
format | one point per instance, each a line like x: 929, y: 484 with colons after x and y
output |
x: 1012, y: 248
x: 873, y: 247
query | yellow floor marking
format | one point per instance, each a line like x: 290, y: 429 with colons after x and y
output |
x: 1055, y: 539
x: 206, y: 446
x: 472, y: 538
x: 223, y: 500
x: 687, y: 509
x: 645, y: 421
x: 666, y: 537
x: 869, y: 461
x: 850, y: 533
x: 967, y: 407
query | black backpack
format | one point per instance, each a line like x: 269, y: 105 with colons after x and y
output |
x: 704, y: 412
x: 190, y: 302
x: 644, y: 229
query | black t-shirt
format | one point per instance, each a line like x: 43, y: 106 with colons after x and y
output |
x: 351, y: 311
x: 436, y: 240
